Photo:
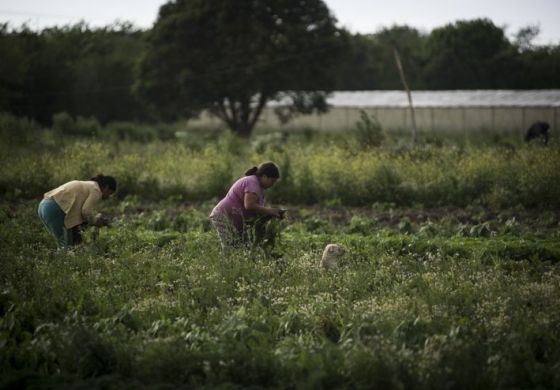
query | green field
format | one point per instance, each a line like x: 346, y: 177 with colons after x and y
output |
x: 450, y: 279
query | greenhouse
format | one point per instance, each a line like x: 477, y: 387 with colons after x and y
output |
x: 501, y: 110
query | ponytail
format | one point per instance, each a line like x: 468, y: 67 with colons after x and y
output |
x: 251, y: 171
x: 105, y: 181
x: 268, y: 169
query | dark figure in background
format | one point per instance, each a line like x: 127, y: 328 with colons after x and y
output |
x: 538, y: 130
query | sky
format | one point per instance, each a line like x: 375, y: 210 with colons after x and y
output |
x: 358, y: 16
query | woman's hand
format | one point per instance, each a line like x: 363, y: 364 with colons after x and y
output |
x: 276, y: 213
x: 101, y: 220
x: 250, y: 202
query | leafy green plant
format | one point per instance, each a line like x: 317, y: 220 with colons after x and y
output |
x: 153, y: 300
x: 368, y: 131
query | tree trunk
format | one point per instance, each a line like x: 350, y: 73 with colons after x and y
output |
x: 239, y: 115
x: 243, y: 130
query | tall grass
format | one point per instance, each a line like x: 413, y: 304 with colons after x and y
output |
x: 327, y: 173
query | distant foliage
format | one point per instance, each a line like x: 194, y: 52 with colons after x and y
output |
x: 295, y: 53
x: 17, y: 131
x: 369, y: 133
x: 138, y: 132
x: 77, y: 69
x: 80, y: 126
x: 311, y: 173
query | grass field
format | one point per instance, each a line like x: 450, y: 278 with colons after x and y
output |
x: 450, y: 279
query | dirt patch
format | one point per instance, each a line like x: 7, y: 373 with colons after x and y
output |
x: 453, y: 215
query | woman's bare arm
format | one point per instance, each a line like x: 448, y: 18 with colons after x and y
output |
x: 250, y: 202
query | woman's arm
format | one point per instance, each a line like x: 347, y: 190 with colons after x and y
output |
x: 251, y: 202
x: 89, y: 211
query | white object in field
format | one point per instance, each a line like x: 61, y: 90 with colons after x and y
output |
x: 331, y: 256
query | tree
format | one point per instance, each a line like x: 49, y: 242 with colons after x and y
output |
x: 25, y: 73
x: 357, y: 70
x: 525, y: 37
x: 410, y: 44
x: 232, y: 57
x: 465, y: 54
x: 12, y: 69
x: 104, y: 72
x: 368, y: 62
x: 75, y: 69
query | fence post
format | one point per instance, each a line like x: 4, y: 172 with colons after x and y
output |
x: 555, y: 121
x: 523, y: 126
x: 464, y: 120
x: 409, y: 95
x: 432, y: 118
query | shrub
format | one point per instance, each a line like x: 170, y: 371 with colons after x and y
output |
x: 17, y: 131
x: 129, y: 131
x: 368, y: 131
x: 64, y: 124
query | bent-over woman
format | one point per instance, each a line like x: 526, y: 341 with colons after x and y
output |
x: 244, y: 206
x: 65, y: 208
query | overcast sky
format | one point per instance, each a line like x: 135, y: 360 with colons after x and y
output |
x: 356, y: 15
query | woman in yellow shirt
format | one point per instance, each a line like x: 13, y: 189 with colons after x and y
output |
x: 63, y: 209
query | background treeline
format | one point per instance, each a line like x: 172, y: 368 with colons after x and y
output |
x: 75, y: 69
x: 92, y: 72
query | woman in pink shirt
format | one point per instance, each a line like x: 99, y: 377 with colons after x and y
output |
x: 244, y: 204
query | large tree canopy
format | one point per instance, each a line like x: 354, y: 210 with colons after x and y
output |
x: 466, y: 54
x: 232, y: 57
x: 83, y: 71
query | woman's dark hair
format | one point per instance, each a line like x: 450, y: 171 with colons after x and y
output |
x: 105, y: 181
x: 268, y: 169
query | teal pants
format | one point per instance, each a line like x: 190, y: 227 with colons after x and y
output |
x: 52, y: 217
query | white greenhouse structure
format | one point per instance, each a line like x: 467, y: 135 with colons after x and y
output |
x: 459, y: 110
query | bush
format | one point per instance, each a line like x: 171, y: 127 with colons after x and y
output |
x: 64, y: 124
x: 368, y: 131
x: 17, y: 131
x: 129, y: 131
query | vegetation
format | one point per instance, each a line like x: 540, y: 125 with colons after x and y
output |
x: 85, y: 72
x: 336, y: 171
x: 432, y: 298
x: 231, y: 59
x: 450, y: 277
x: 92, y: 72
x: 451, y: 274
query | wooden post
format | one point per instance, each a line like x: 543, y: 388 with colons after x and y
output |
x: 432, y: 117
x: 523, y: 125
x: 464, y: 122
x: 403, y: 79
x: 555, y: 122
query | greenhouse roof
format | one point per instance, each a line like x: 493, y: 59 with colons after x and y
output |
x: 457, y: 98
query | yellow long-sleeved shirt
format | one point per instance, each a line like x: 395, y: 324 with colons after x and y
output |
x: 78, y: 200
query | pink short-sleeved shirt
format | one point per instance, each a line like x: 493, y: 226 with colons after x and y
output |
x: 232, y: 205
